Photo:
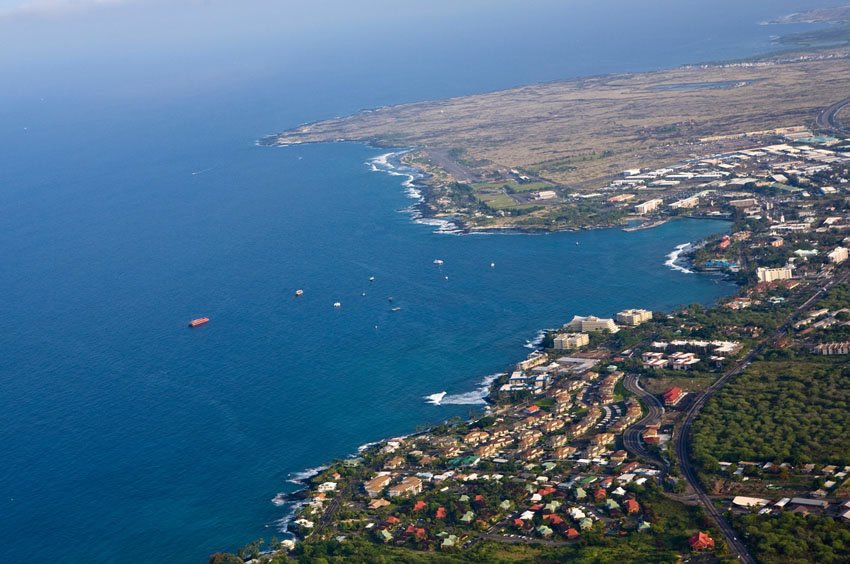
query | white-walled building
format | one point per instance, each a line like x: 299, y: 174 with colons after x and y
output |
x: 592, y: 323
x: 648, y: 206
x: 634, y: 317
x: 567, y: 341
x: 838, y: 255
x: 771, y: 274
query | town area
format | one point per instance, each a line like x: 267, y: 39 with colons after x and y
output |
x: 647, y: 433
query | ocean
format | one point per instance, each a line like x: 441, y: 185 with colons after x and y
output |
x: 130, y: 204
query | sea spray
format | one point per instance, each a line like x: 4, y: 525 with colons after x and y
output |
x: 475, y: 397
x: 300, y: 477
x: 389, y: 163
x: 673, y: 258
x: 534, y: 344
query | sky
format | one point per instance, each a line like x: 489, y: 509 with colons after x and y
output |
x: 143, y: 49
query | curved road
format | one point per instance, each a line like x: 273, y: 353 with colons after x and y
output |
x: 828, y: 118
x: 632, y: 436
x: 683, y: 439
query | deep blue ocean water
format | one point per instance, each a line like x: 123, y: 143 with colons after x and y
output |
x: 126, y: 211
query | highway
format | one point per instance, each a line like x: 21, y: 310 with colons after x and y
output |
x: 828, y: 118
x: 683, y: 438
x: 632, y: 436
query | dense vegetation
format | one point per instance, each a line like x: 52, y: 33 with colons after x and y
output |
x: 793, y: 411
x: 795, y: 538
x: 672, y: 524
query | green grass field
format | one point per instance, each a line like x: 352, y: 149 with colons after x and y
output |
x: 512, y: 185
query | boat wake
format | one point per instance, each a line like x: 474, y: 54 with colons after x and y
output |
x: 673, y: 258
x: 389, y: 163
x: 475, y: 397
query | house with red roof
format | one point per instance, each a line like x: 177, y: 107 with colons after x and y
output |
x: 632, y: 506
x: 419, y: 533
x: 572, y: 534
x: 672, y: 396
x: 548, y: 490
x: 701, y: 541
x: 600, y: 495
x: 419, y: 505
x: 441, y: 513
x: 554, y: 519
x: 393, y: 520
x: 629, y: 467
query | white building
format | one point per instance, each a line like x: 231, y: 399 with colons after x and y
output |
x: 648, y: 206
x: 567, y: 341
x: 771, y: 274
x: 691, y: 202
x: 592, y: 323
x: 838, y: 255
x: 634, y: 317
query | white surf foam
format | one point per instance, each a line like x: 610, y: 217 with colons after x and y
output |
x: 304, y: 475
x: 361, y: 448
x: 673, y: 258
x: 388, y: 163
x: 475, y: 397
x: 535, y: 343
x: 284, y: 522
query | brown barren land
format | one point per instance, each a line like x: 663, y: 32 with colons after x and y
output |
x: 581, y: 132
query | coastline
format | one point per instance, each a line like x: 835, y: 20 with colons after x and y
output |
x: 483, y: 395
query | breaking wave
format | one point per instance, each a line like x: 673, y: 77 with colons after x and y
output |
x: 389, y: 163
x: 535, y: 343
x: 301, y: 477
x: 673, y: 258
x: 475, y: 397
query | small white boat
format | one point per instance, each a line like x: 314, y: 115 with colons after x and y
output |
x: 337, y: 304
x: 396, y: 309
x: 438, y: 262
x: 492, y: 265
x: 371, y: 279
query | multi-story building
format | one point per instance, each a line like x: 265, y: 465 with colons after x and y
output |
x: 771, y: 274
x: 838, y: 255
x: 685, y: 203
x: 672, y: 396
x: 567, y: 341
x: 376, y: 485
x: 634, y: 317
x: 409, y: 485
x: 648, y: 206
x: 592, y: 323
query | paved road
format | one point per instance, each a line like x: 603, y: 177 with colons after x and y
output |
x: 632, y: 436
x: 683, y: 439
x: 828, y: 118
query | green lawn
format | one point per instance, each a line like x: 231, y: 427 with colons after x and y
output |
x: 512, y: 185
